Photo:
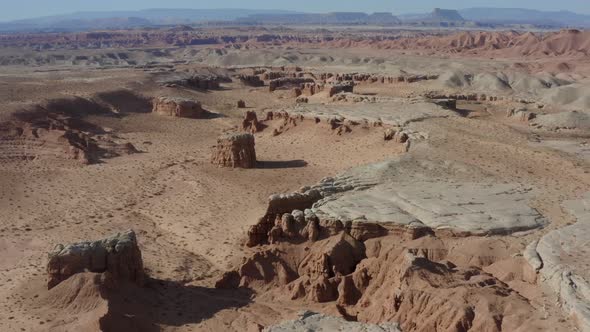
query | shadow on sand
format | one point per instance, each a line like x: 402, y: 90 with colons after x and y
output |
x: 168, y: 303
x: 281, y: 164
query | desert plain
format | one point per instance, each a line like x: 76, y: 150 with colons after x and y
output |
x: 247, y: 179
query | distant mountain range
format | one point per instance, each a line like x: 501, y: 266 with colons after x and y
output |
x: 506, y: 16
x: 81, y: 21
x: 115, y: 19
x: 327, y: 18
x: 525, y: 16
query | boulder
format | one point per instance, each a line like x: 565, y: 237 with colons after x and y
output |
x: 178, y: 107
x: 235, y: 150
x: 241, y: 104
x: 119, y: 255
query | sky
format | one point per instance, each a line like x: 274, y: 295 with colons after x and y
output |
x: 17, y: 9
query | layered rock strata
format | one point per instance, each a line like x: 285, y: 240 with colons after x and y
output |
x: 288, y: 82
x: 118, y: 255
x: 561, y: 261
x: 49, y: 132
x: 178, y: 107
x: 251, y: 124
x: 235, y: 150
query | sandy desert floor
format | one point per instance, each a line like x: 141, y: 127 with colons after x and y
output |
x: 192, y: 217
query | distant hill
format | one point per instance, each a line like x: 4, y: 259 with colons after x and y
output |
x: 525, y: 16
x: 438, y: 17
x: 116, y: 19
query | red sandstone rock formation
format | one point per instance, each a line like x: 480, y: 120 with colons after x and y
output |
x: 569, y: 42
x: 341, y: 87
x: 234, y: 150
x: 277, y: 206
x: 118, y: 255
x: 387, y: 278
x: 178, y: 107
x: 288, y: 82
x: 251, y: 80
x: 55, y: 130
x: 251, y: 124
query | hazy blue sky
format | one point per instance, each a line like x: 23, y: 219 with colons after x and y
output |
x: 15, y: 9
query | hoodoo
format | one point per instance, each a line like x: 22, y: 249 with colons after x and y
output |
x: 235, y: 150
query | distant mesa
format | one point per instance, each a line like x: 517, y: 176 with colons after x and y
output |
x: 446, y: 15
x: 180, y: 20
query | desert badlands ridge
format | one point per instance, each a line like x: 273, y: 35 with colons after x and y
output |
x: 298, y: 180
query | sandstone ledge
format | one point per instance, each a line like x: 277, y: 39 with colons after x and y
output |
x: 311, y: 321
x: 562, y: 262
x: 370, y: 201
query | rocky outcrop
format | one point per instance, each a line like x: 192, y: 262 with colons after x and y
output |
x: 473, y: 207
x: 341, y: 87
x: 118, y: 255
x: 569, y: 120
x: 22, y: 141
x: 178, y: 107
x: 432, y: 296
x: 521, y: 114
x: 251, y: 80
x: 195, y: 81
x: 251, y: 124
x: 55, y: 131
x: 374, y: 114
x: 383, y: 248
x: 450, y: 104
x: 367, y: 207
x: 561, y: 261
x: 241, y: 104
x: 278, y: 205
x: 310, y: 89
x: 396, y: 135
x: 234, y: 150
x: 311, y: 321
x: 288, y: 82
x: 375, y: 78
x: 468, y: 97
x: 385, y: 279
